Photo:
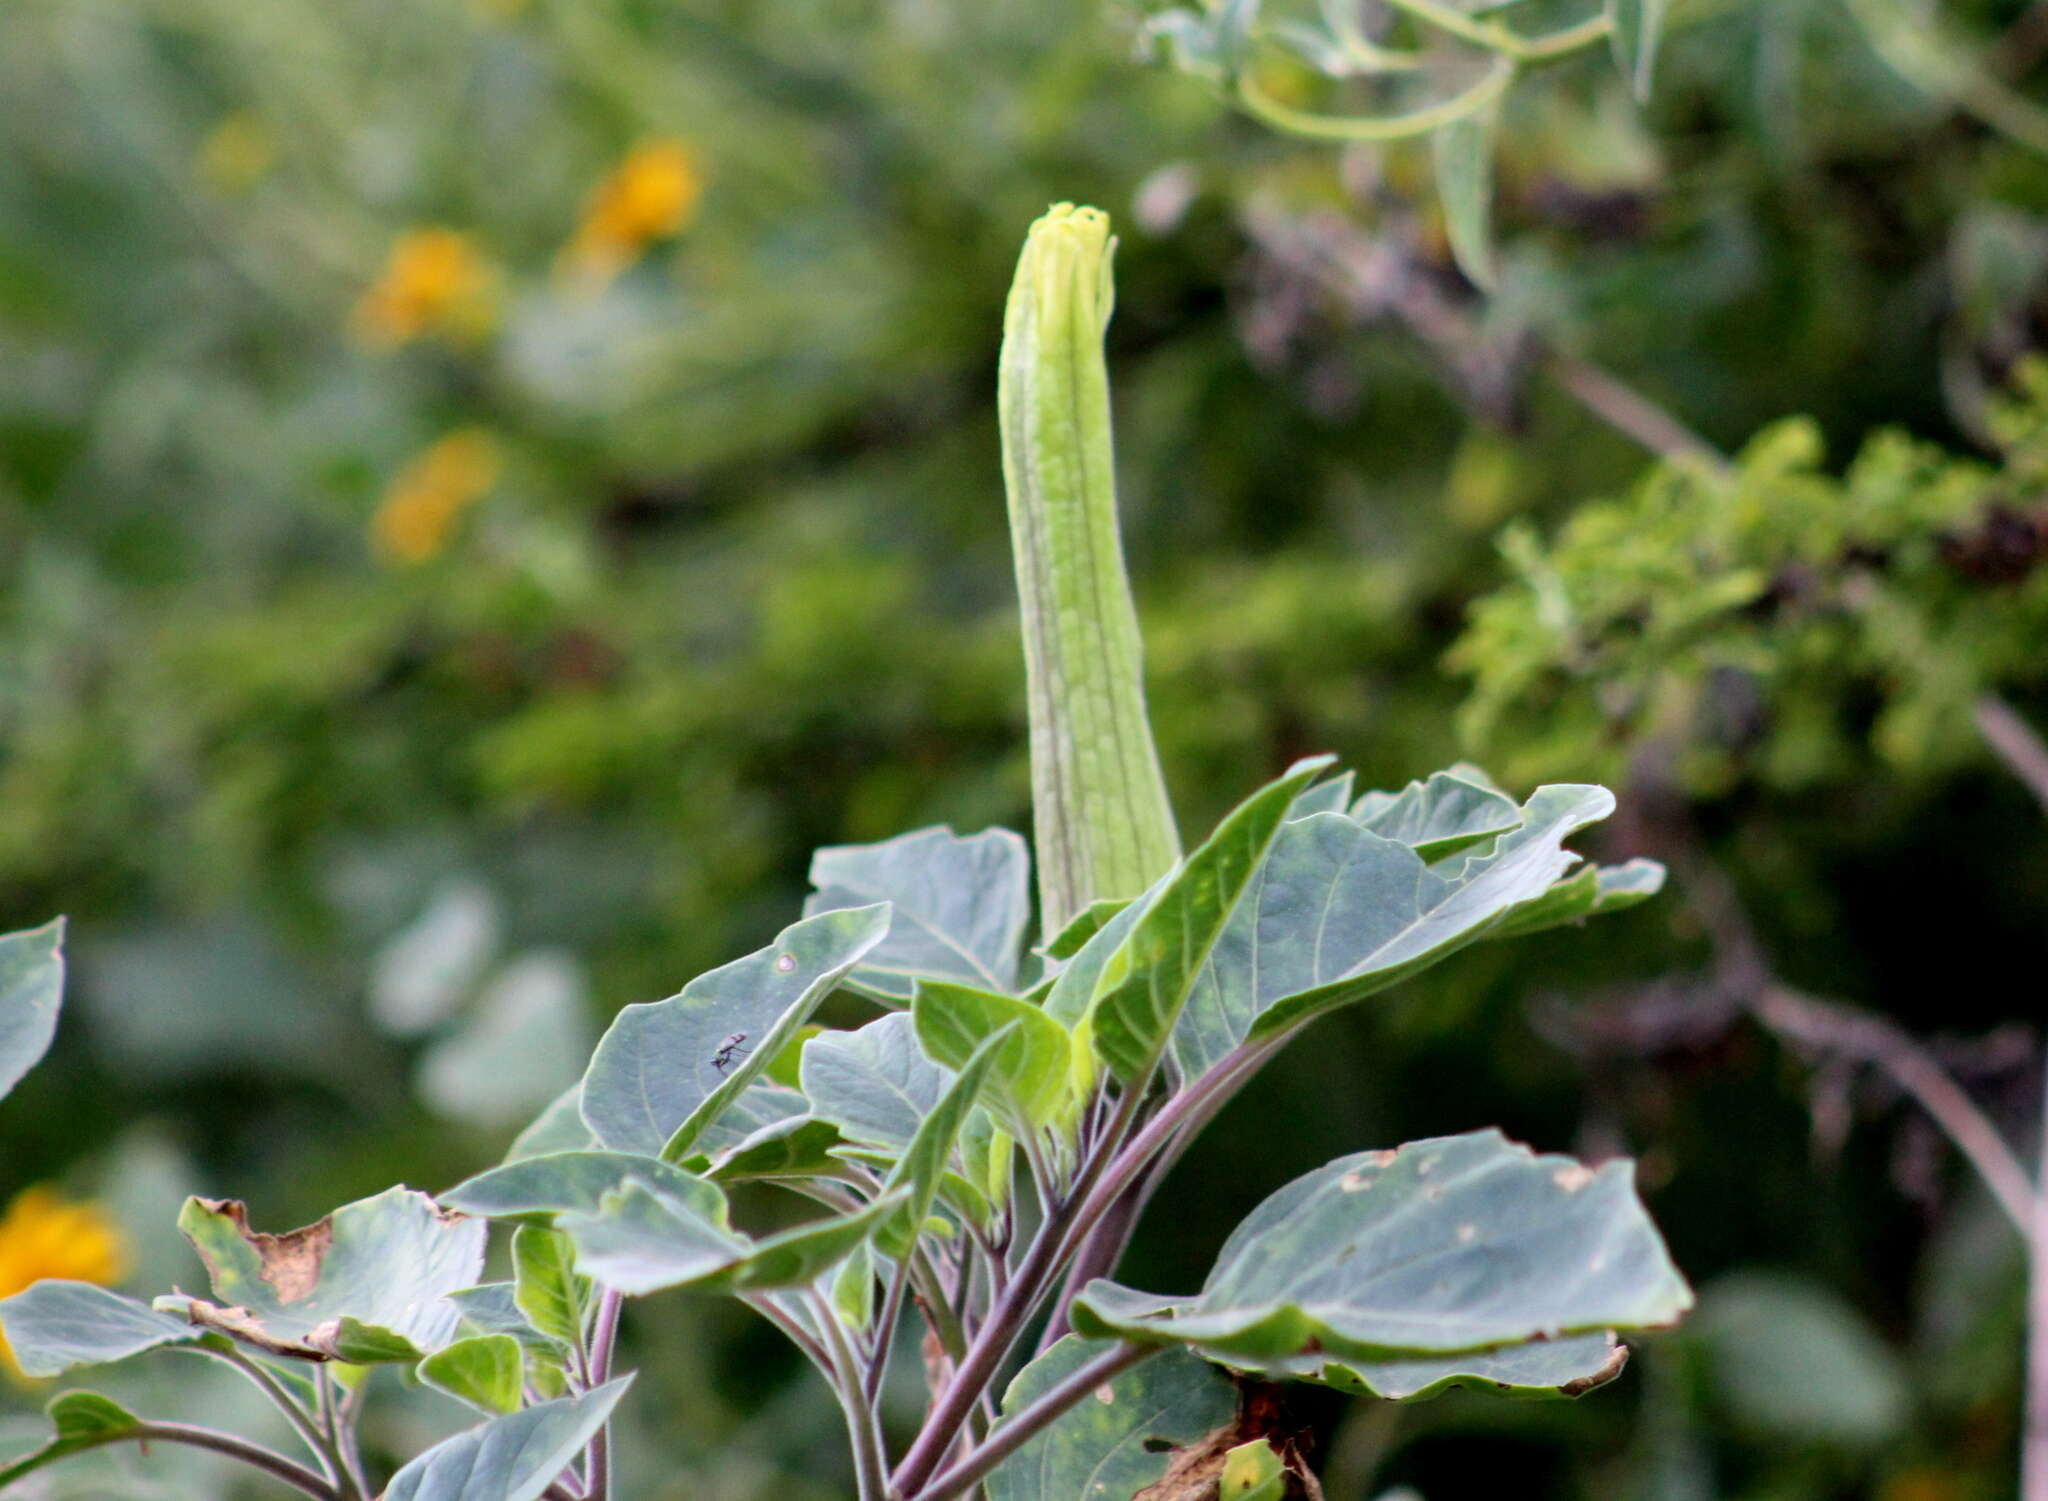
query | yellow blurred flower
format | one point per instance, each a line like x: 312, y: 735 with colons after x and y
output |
x: 236, y: 152
x: 428, y: 496
x: 650, y: 196
x: 435, y: 281
x: 44, y: 1235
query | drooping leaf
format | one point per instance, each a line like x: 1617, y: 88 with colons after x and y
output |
x: 875, y: 1083
x: 82, y: 1420
x: 1339, y: 912
x: 513, y: 1458
x: 1637, y: 28
x: 1441, y: 816
x: 544, y: 1186
x: 665, y: 1070
x: 31, y: 990
x: 373, y: 1273
x: 55, y: 1325
x: 1118, y: 1440
x: 487, y: 1371
x: 640, y: 1241
x: 1147, y: 981
x: 559, y: 1128
x: 959, y: 905
x: 1028, y: 1080
x: 1549, y: 1368
x: 546, y: 1285
x: 1464, y: 182
x: 1453, y: 1244
x: 923, y: 1164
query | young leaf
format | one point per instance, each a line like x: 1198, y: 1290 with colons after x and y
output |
x: 487, y: 1371
x: 545, y: 1284
x: 1147, y: 981
x: 875, y: 1084
x: 1454, y: 1244
x: 1549, y: 1368
x: 1120, y: 1439
x: 31, y: 989
x: 1104, y: 824
x: 545, y: 1186
x: 83, y: 1420
x: 493, y: 1308
x: 1438, y: 818
x: 1028, y: 1080
x: 1464, y: 183
x: 55, y: 1325
x: 804, y: 1151
x: 665, y: 1070
x: 1253, y: 1472
x: 853, y: 1290
x: 1592, y: 892
x: 923, y: 1164
x: 959, y: 907
x: 374, y: 1271
x: 513, y: 1458
x: 1066, y: 943
x: 1636, y: 28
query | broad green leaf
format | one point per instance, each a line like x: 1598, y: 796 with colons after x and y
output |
x: 513, y: 1458
x: 31, y: 989
x: 1591, y: 892
x: 1120, y: 1439
x: 641, y: 1241
x: 354, y: 1342
x: 1464, y: 182
x: 875, y: 1084
x: 1795, y: 1363
x: 1331, y: 796
x: 384, y: 1263
x: 1438, y: 818
x: 1089, y: 921
x: 1148, y: 980
x: 1028, y: 1080
x: 544, y: 1186
x: 665, y: 1070
x: 805, y: 1151
x: 1637, y: 28
x: 559, y: 1128
x: 1548, y: 1368
x: 959, y: 907
x: 1103, y: 821
x: 82, y: 1420
x: 487, y: 1371
x: 493, y: 1308
x: 1339, y: 912
x: 1454, y: 1244
x: 1252, y: 1472
x: 55, y: 1325
x: 546, y: 1285
x: 762, y: 1110
x: 923, y: 1164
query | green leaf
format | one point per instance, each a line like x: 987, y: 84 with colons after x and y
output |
x: 1252, y: 1472
x: 545, y: 1186
x: 487, y: 1371
x: 1073, y: 988
x: 959, y: 907
x: 1103, y: 821
x: 1794, y: 1363
x: 1453, y: 1244
x: 356, y: 1343
x: 641, y: 1241
x: 1028, y: 1080
x: 1438, y: 818
x: 1550, y: 1368
x: 384, y: 1263
x: 853, y: 1289
x: 1637, y: 28
x: 1148, y: 980
x: 545, y: 1284
x: 875, y: 1084
x: 31, y: 989
x: 664, y: 1071
x: 493, y: 1308
x: 513, y: 1458
x: 1464, y: 182
x: 1120, y: 1439
x: 1089, y: 921
x: 804, y: 1151
x: 559, y: 1128
x: 56, y: 1325
x: 923, y: 1164
x: 1591, y: 892
x: 1339, y: 912
x: 83, y: 1420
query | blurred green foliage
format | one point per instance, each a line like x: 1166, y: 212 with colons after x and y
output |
x: 716, y: 573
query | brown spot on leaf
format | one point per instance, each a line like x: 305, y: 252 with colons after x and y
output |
x: 290, y: 1262
x: 1104, y: 1395
x: 1615, y: 1361
x: 1572, y: 1177
x: 1354, y: 1182
x: 1382, y: 1158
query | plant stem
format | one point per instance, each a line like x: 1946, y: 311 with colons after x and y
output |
x: 269, y: 1461
x: 1022, y: 1426
x: 284, y: 1402
x: 2015, y: 743
x: 885, y: 1337
x: 869, y: 1464
x: 597, y: 1469
x: 2034, y: 1443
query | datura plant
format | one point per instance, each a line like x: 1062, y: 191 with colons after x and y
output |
x: 980, y: 1150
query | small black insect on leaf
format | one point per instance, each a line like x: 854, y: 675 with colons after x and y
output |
x: 728, y: 1051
